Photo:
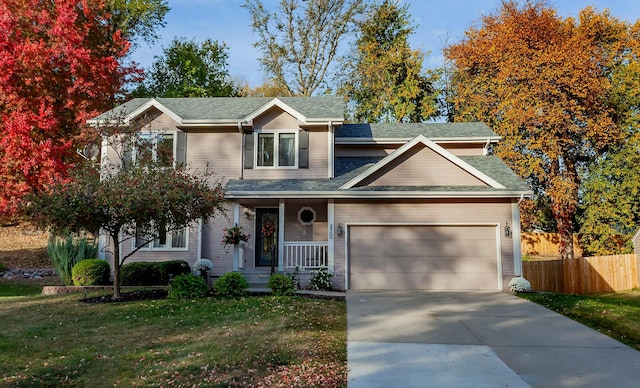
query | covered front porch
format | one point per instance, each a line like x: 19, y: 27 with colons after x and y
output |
x: 285, y: 236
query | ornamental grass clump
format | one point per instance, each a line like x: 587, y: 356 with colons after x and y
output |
x: 66, y: 251
x: 519, y: 284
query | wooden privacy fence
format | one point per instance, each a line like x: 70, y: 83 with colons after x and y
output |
x: 583, y: 275
x: 545, y: 244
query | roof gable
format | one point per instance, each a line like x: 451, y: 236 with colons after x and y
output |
x: 421, y: 162
x: 230, y: 110
x: 276, y: 103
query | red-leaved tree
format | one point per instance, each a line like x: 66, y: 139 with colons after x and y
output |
x: 61, y: 64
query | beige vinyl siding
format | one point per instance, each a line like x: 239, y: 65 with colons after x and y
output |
x: 218, y: 151
x: 464, y: 149
x: 295, y: 231
x: 382, y: 150
x: 160, y: 122
x: 427, y: 212
x: 421, y: 166
x: 363, y: 151
x: 275, y: 118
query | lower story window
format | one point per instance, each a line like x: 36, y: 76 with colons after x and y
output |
x: 164, y: 239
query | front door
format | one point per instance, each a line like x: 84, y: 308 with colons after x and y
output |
x: 266, y: 236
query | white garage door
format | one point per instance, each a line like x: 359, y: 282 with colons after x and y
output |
x: 423, y: 257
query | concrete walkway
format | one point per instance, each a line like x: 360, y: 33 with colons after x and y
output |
x: 463, y: 339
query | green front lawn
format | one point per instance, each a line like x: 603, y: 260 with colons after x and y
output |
x: 60, y: 341
x: 614, y: 314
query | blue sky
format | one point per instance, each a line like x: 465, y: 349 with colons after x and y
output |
x: 227, y: 21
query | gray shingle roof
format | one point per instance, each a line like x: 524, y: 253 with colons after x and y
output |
x: 411, y: 130
x: 489, y: 165
x: 236, y: 108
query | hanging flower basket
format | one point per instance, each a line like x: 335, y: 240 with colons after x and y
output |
x: 234, y: 235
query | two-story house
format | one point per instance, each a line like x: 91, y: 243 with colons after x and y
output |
x: 381, y: 206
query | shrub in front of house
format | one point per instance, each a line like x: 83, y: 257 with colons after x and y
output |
x: 91, y: 272
x: 231, y: 284
x: 519, y: 284
x: 187, y: 286
x: 152, y: 273
x: 172, y: 268
x: 140, y: 274
x: 281, y: 285
x: 321, y: 280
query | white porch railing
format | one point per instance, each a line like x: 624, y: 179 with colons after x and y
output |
x: 306, y: 255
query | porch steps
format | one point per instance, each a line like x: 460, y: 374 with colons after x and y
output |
x: 257, y: 279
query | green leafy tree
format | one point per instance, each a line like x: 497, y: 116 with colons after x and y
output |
x: 385, y: 81
x: 189, y: 69
x: 138, y: 19
x: 299, y: 41
x: 544, y: 84
x: 611, y: 203
x: 122, y: 199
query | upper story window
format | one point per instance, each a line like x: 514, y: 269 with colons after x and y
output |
x: 276, y: 149
x: 154, y: 146
x: 287, y: 149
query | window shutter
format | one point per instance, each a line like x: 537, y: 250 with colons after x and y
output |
x: 303, y: 149
x: 181, y: 148
x: 248, y: 150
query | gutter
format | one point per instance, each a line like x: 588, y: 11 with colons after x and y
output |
x: 372, y: 195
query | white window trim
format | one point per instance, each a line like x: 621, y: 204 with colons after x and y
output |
x: 155, y: 134
x: 276, y: 132
x: 168, y: 248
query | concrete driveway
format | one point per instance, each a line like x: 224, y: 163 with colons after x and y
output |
x: 480, y: 339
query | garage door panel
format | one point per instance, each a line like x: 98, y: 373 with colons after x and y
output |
x: 423, y: 257
x: 390, y: 281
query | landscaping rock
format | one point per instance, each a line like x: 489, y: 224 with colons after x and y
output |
x: 27, y: 273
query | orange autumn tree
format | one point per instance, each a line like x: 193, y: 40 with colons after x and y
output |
x: 60, y: 65
x: 543, y: 83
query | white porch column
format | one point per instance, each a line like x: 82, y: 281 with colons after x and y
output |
x: 517, y: 248
x: 331, y: 235
x: 199, y: 251
x: 236, y: 247
x: 281, y: 235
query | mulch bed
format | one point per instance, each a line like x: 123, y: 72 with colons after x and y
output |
x: 131, y: 296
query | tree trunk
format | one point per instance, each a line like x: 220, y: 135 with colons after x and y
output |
x: 565, y: 231
x: 116, y: 267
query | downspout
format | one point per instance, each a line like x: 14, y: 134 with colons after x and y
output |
x: 332, y: 151
x: 517, y: 244
x: 485, y: 149
x: 199, y: 248
x: 241, y: 175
